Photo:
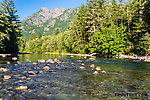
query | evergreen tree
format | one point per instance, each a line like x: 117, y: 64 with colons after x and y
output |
x: 10, y: 24
x: 138, y: 26
x: 39, y: 35
x: 56, y: 31
x: 33, y: 36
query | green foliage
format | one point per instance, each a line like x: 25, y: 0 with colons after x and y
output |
x: 99, y: 27
x: 109, y: 40
x: 56, y: 31
x: 39, y: 35
x: 9, y: 27
x: 33, y: 36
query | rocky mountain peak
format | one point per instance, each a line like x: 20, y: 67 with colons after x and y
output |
x: 45, y: 9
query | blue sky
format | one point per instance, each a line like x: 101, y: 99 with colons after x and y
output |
x: 27, y: 7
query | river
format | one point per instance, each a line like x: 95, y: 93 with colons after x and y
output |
x: 73, y: 78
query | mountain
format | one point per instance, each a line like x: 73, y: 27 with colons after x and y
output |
x: 46, y: 21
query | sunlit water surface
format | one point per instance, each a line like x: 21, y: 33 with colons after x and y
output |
x: 69, y: 82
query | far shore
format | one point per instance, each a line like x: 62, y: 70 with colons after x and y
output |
x: 141, y: 58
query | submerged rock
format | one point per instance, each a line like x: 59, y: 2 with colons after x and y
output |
x: 46, y: 68
x: 3, y: 69
x: 98, y: 68
x: 95, y: 72
x: 81, y: 67
x: 33, y: 72
x: 92, y: 66
x: 22, y: 88
x: 6, y: 77
x: 103, y: 71
x: 35, y: 63
x: 28, y: 78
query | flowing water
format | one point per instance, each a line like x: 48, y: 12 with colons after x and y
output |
x: 70, y: 81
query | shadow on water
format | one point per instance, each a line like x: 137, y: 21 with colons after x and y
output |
x: 68, y: 81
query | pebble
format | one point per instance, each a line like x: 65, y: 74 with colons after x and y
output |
x: 103, y: 71
x: 55, y: 60
x: 92, y: 59
x: 6, y: 77
x: 33, y: 72
x: 22, y: 88
x: 82, y: 64
x: 92, y: 66
x: 14, y: 58
x: 82, y: 67
x: 46, y: 68
x: 147, y: 60
x: 58, y: 62
x: 98, y: 68
x: 35, y: 63
x: 20, y: 81
x: 3, y: 69
x: 23, y: 77
x: 49, y: 61
x: 18, y: 62
x: 28, y: 78
x: 8, y: 62
x: 95, y: 72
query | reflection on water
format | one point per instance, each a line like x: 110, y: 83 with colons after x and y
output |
x: 68, y: 81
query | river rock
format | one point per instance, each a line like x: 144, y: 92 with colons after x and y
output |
x: 46, y: 68
x: 14, y: 58
x: 92, y: 59
x: 95, y: 72
x: 55, y: 60
x: 3, y: 69
x: 20, y: 81
x: 23, y: 77
x: 98, y: 68
x: 82, y: 64
x: 22, y: 88
x: 28, y: 78
x: 81, y: 67
x: 33, y: 72
x: 6, y: 77
x: 92, y: 66
x: 147, y: 60
x: 103, y: 71
x: 35, y: 63
x: 58, y: 62
x: 8, y: 62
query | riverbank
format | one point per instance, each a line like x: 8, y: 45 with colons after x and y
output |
x: 141, y: 58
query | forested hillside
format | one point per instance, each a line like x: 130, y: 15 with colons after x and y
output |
x: 104, y: 27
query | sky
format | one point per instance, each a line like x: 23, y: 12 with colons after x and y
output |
x: 27, y: 7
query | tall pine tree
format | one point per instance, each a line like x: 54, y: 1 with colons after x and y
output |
x: 10, y: 24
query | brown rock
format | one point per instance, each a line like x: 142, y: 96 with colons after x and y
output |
x: 35, y: 63
x: 22, y: 88
x: 33, y: 72
x: 23, y: 77
x: 3, y: 69
x: 98, y: 68
x: 103, y: 71
x: 6, y: 77
x: 46, y: 68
